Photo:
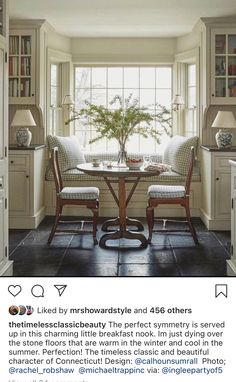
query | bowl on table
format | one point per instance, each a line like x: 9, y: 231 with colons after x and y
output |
x: 134, y: 164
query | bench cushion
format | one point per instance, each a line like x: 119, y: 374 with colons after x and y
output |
x: 178, y: 154
x: 70, y: 153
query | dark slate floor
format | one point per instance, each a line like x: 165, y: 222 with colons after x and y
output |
x: 169, y: 255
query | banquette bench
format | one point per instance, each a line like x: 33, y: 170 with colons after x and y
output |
x: 70, y: 155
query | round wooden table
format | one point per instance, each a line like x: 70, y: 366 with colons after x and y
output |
x: 120, y: 175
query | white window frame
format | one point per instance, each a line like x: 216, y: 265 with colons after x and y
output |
x: 64, y: 62
x: 182, y: 60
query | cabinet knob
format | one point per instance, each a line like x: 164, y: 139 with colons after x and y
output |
x: 213, y: 95
x: 27, y: 176
x: 12, y: 161
x: 217, y: 178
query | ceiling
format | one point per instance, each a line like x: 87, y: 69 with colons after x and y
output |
x: 121, y: 18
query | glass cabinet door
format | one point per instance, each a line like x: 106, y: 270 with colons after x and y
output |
x: 21, y: 68
x: 224, y: 68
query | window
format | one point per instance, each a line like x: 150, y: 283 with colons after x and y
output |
x: 99, y: 85
x: 191, y: 101
x: 54, y: 109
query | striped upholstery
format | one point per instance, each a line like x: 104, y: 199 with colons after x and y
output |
x: 79, y: 193
x: 69, y: 151
x: 166, y: 191
x: 177, y: 153
x: 165, y: 177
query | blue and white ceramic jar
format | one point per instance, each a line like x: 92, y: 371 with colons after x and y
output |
x: 224, y: 139
x: 23, y: 137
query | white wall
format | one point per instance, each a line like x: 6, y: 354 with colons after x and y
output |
x: 58, y: 42
x: 123, y: 50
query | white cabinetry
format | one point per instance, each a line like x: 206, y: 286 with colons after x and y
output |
x: 22, y: 66
x: 5, y: 264
x: 231, y: 264
x: 26, y: 182
x: 26, y: 54
x: 223, y: 66
x: 215, y: 176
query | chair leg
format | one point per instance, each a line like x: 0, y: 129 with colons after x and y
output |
x: 95, y: 219
x: 150, y: 222
x: 191, y: 227
x: 54, y: 227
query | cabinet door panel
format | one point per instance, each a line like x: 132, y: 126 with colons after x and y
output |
x: 3, y: 164
x: 19, y: 192
x: 2, y: 229
x: 222, y: 197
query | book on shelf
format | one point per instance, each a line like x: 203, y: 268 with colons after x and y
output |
x: 13, y: 45
x: 25, y: 45
x: 13, y: 87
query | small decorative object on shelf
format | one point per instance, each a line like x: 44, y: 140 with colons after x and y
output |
x: 23, y: 119
x: 224, y: 120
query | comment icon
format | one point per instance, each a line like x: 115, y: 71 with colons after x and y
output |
x: 37, y: 290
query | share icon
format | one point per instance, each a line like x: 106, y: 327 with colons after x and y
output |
x: 60, y: 289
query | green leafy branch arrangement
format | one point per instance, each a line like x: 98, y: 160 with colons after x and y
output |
x: 124, y: 121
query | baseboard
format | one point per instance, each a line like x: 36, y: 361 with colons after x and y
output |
x: 27, y: 222
x: 215, y: 224
x: 7, y: 269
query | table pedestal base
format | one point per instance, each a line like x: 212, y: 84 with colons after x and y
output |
x: 115, y: 222
x: 120, y: 234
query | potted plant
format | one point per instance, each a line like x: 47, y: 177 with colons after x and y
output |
x: 124, y: 121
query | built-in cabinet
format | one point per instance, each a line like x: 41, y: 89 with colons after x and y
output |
x: 26, y: 175
x: 22, y: 66
x: 231, y: 264
x: 215, y: 177
x: 27, y: 62
x: 5, y: 264
x: 223, y: 66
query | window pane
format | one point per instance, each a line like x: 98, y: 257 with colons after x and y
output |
x: 191, y: 75
x: 134, y: 92
x: 191, y: 97
x: 115, y: 78
x: 82, y: 77
x: 99, y: 77
x: 163, y: 78
x: 82, y: 95
x: 163, y: 97
x: 131, y: 77
x: 99, y: 97
x: 53, y: 96
x: 133, y: 144
x: 147, y: 78
x: 147, y: 145
x: 111, y: 94
x: 147, y: 97
x: 54, y: 74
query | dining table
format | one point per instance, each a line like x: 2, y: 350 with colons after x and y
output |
x: 120, y: 175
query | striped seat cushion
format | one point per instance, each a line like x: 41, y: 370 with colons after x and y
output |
x: 79, y: 193
x: 166, y: 191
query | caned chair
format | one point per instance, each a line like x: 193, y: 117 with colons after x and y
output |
x: 171, y: 194
x: 76, y: 196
